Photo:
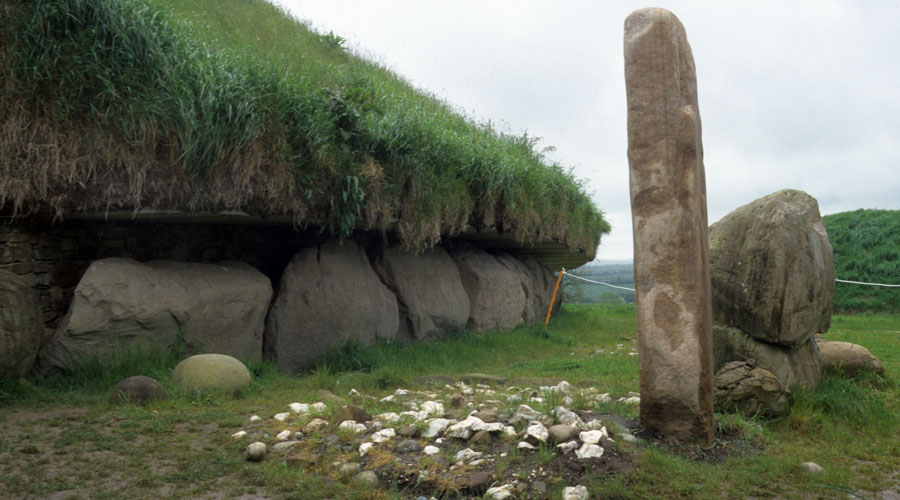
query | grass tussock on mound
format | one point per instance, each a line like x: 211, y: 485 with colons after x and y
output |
x: 210, y: 106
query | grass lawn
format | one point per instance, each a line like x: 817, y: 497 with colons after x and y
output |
x: 59, y: 438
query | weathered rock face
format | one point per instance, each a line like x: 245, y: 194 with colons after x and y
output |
x: 792, y: 365
x: 742, y: 387
x: 494, y: 290
x: 537, y: 284
x: 430, y: 294
x: 668, y: 207
x: 846, y: 358
x: 121, y: 305
x: 21, y: 327
x: 772, y: 269
x: 328, y: 295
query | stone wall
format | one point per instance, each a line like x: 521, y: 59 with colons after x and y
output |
x: 52, y: 257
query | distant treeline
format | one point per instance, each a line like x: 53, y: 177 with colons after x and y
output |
x: 866, y: 248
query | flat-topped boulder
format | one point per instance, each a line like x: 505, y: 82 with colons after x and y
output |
x: 122, y: 305
x: 772, y: 269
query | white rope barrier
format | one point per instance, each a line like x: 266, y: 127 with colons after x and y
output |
x: 597, y: 282
x: 864, y: 283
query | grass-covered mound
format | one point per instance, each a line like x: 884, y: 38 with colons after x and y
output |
x: 866, y: 248
x: 214, y: 105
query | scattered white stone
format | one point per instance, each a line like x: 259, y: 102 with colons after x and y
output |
x: 283, y: 435
x: 631, y: 400
x: 594, y: 425
x: 593, y: 437
x: 349, y: 468
x: 478, y: 461
x: 436, y: 427
x: 568, y: 417
x: 468, y: 391
x: 364, y: 448
x: 525, y: 413
x: 239, y: 434
x: 537, y: 432
x: 812, y: 467
x: 383, y: 435
x: 255, y: 418
x: 537, y: 400
x: 299, y: 407
x: 500, y: 492
x: 525, y: 445
x: 603, y: 398
x: 352, y: 426
x: 575, y: 493
x: 589, y: 451
x: 567, y: 447
x: 318, y: 407
x: 281, y: 416
x: 467, y: 455
x: 465, y: 429
x: 387, y: 399
x: 568, y: 401
x: 376, y: 425
x: 515, y: 398
x: 412, y: 405
x: 509, y: 430
x: 433, y: 407
x: 431, y: 450
x: 389, y: 418
x: 315, y: 425
x: 256, y: 451
x: 353, y: 393
x: 416, y: 416
x: 629, y: 437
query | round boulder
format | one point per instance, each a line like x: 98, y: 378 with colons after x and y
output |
x: 212, y: 372
x: 742, y: 387
x: 138, y: 390
x: 847, y: 358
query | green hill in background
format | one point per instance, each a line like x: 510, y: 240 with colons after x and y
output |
x: 866, y: 248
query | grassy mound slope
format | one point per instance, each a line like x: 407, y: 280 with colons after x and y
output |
x: 866, y: 248
x: 214, y: 105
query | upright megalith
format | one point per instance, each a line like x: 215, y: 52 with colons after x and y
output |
x: 668, y: 209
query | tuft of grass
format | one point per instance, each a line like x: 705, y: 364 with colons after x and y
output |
x: 210, y: 105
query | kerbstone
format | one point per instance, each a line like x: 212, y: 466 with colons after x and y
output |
x: 668, y: 206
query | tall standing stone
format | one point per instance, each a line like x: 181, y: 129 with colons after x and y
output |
x: 668, y: 210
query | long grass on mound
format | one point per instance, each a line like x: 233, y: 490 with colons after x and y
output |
x: 126, y: 104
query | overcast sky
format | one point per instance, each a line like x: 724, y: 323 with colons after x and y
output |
x: 802, y: 95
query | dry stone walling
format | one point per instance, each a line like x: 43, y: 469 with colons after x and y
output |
x: 668, y: 208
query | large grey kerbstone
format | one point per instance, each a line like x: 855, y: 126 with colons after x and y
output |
x: 21, y: 327
x: 494, y: 290
x: 429, y: 291
x: 668, y: 207
x: 537, y: 284
x: 121, y: 305
x: 328, y: 295
x: 772, y: 269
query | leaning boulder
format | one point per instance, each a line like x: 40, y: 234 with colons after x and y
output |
x: 122, y: 305
x: 494, y: 290
x: 329, y: 295
x: 846, y: 358
x: 211, y: 372
x: 21, y: 327
x: 772, y: 269
x: 742, y: 387
x: 430, y: 294
x: 792, y: 365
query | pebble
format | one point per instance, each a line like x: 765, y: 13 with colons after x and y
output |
x: 255, y: 418
x: 568, y: 417
x: 431, y: 450
x: 364, y: 448
x: 368, y: 478
x: 525, y: 445
x: 562, y: 432
x: 239, y: 434
x: 537, y: 433
x: 283, y: 435
x: 633, y: 400
x: 352, y: 426
x: 408, y: 446
x: 256, y: 451
x: 503, y: 492
x: 315, y: 425
x: 592, y: 437
x: 467, y: 455
x: 433, y: 407
x: 567, y: 447
x: 299, y: 407
x: 349, y: 468
x: 383, y: 435
x: 281, y: 416
x: 437, y: 427
x: 812, y: 467
x: 575, y: 493
x: 283, y: 446
x: 318, y: 407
